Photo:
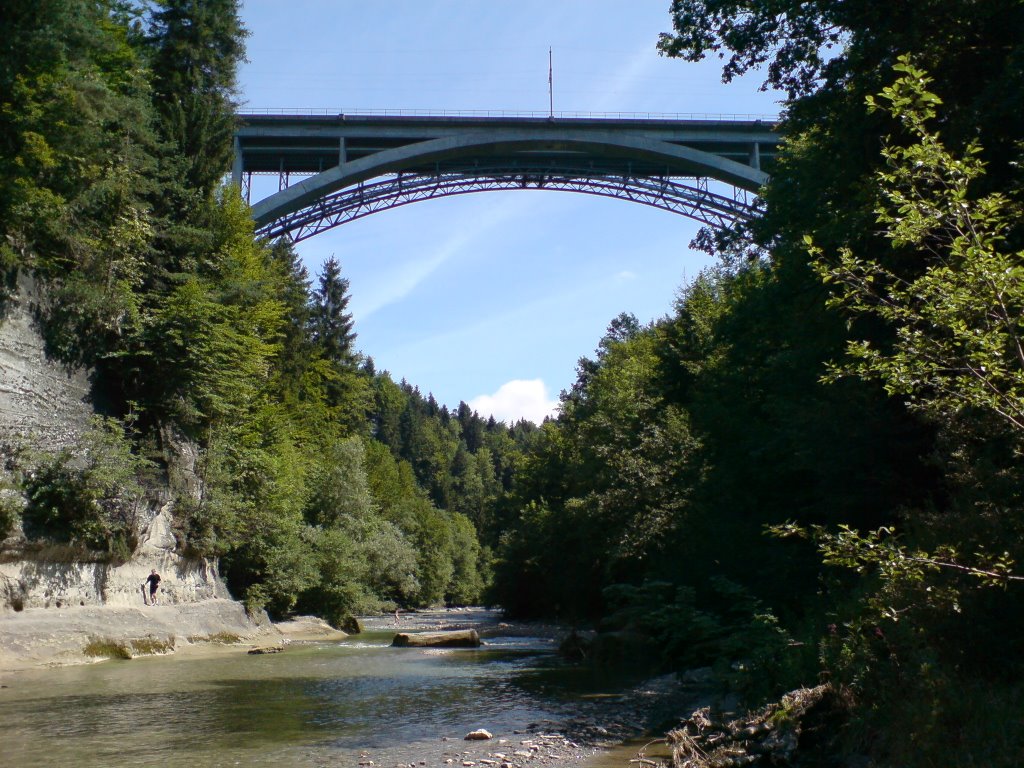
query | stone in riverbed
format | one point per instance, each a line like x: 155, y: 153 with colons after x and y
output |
x: 266, y: 649
x: 478, y: 735
x: 351, y: 625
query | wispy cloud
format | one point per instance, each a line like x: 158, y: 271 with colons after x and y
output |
x: 520, y: 316
x: 611, y: 94
x: 402, y: 282
x: 515, y: 400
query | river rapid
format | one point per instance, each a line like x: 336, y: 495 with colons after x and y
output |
x: 348, y: 703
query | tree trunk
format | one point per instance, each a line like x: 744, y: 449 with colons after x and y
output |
x: 462, y: 638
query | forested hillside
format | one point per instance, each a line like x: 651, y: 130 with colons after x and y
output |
x: 811, y: 469
x: 808, y: 470
x: 321, y: 484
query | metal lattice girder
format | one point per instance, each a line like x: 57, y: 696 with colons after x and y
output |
x: 689, y: 197
x: 650, y: 161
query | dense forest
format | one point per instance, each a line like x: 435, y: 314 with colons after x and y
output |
x: 320, y: 483
x: 809, y: 469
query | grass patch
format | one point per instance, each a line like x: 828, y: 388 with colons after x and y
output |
x: 221, y: 638
x: 107, y: 649
x: 149, y: 646
x: 47, y: 551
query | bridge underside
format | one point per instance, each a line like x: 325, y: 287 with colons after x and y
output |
x: 354, y: 166
x: 690, y: 198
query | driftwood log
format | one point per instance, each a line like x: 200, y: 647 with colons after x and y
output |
x: 772, y: 736
x: 260, y: 651
x: 461, y: 638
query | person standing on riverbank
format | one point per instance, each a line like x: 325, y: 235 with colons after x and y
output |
x: 153, y: 582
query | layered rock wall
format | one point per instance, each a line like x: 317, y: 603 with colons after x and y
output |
x: 42, y: 404
x: 43, y: 582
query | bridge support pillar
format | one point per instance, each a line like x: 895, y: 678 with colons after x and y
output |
x: 755, y: 156
x: 236, y: 166
x: 342, y: 152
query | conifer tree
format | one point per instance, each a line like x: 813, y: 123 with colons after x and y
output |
x: 196, y: 46
x: 331, y: 322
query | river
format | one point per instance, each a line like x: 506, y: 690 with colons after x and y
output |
x: 358, y: 701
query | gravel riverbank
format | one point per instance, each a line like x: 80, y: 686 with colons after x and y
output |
x: 603, y: 729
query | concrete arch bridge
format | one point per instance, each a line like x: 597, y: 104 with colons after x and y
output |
x: 335, y: 168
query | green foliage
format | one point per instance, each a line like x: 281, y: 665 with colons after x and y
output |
x: 116, y: 130
x: 151, y: 646
x: 10, y: 512
x: 792, y: 40
x: 195, y: 49
x: 216, y: 331
x: 330, y: 321
x: 725, y: 627
x: 340, y: 492
x: 74, y: 92
x: 11, y: 501
x: 960, y: 321
x: 467, y: 582
x: 209, y: 526
x: 93, y: 500
x: 220, y: 638
x: 104, y: 648
x: 603, y: 487
x: 762, y: 431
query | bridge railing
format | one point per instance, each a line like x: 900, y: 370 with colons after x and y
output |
x: 328, y: 112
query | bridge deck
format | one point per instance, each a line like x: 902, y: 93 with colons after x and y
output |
x: 310, y: 144
x: 359, y: 164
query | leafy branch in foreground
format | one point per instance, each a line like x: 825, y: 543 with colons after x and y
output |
x: 953, y: 293
x: 880, y: 550
x: 960, y: 322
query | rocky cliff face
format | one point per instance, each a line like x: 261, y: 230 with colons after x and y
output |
x: 46, y: 408
x: 40, y: 401
x: 43, y: 583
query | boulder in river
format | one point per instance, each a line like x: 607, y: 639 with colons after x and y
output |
x: 459, y: 638
x: 351, y: 625
x: 479, y: 734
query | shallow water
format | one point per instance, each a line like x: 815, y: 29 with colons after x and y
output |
x: 317, y: 704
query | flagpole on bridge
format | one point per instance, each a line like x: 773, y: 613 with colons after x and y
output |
x: 551, y: 87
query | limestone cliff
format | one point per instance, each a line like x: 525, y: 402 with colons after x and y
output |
x: 42, y: 583
x: 44, y: 407
x: 41, y: 402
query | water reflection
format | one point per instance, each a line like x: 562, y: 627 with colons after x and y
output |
x: 312, y: 705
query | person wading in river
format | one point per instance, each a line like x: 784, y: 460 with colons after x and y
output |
x: 153, y: 582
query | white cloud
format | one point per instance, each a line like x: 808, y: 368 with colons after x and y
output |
x: 625, y: 275
x: 515, y: 400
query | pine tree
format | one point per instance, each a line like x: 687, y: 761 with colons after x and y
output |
x: 196, y: 46
x: 296, y: 354
x: 330, y: 322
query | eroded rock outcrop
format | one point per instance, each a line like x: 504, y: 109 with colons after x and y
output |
x: 42, y: 402
x: 41, y: 582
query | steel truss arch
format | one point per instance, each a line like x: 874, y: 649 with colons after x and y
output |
x: 690, y: 197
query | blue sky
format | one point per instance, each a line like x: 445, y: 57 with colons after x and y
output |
x: 491, y: 298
